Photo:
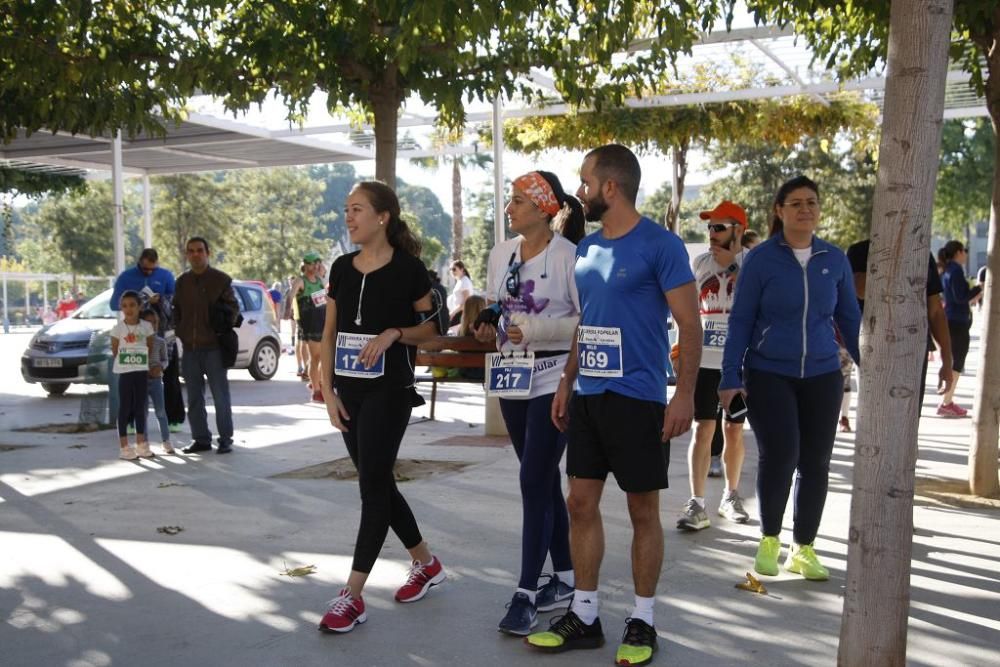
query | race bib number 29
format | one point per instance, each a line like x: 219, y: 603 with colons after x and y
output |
x: 349, y: 346
x: 599, y: 351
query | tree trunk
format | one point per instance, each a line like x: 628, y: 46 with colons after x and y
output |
x: 983, y: 468
x: 894, y: 338
x: 385, y: 99
x: 678, y: 174
x: 457, y: 220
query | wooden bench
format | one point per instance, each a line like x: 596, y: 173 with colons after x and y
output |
x: 451, y: 352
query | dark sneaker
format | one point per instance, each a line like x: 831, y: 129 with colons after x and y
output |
x: 419, y: 580
x: 553, y: 594
x: 638, y: 643
x: 196, y: 447
x: 521, y: 616
x: 343, y: 613
x: 567, y: 632
x: 224, y: 449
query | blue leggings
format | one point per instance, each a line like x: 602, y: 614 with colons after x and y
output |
x: 795, y: 422
x: 539, y: 447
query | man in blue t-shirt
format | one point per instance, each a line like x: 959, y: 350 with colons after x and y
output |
x: 631, y: 275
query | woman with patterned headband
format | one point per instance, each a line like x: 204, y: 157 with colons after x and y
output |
x: 535, y: 309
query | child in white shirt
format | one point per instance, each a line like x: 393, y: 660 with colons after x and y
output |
x: 131, y: 344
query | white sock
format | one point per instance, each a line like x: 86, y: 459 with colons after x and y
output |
x: 586, y: 606
x: 643, y: 609
x: 700, y: 500
x: 729, y: 494
x: 568, y: 577
x: 530, y: 594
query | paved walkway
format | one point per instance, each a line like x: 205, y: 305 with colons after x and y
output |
x: 86, y: 579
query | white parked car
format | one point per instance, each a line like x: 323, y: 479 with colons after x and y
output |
x: 77, y: 349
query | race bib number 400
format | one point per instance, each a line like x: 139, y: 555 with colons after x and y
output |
x: 133, y: 359
x: 715, y: 332
x: 510, y: 375
x: 599, y: 350
x: 349, y: 346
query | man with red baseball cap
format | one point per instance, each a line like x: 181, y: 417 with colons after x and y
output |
x: 715, y: 273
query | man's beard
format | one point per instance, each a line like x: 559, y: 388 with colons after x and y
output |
x: 596, y: 208
x: 720, y: 244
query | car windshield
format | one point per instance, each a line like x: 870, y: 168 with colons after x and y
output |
x: 98, y: 308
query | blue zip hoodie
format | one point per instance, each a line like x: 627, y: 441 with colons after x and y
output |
x: 783, y: 315
x: 161, y: 281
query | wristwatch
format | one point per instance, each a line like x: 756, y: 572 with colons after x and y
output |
x: 733, y: 268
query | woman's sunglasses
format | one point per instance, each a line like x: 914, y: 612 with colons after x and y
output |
x: 514, y: 279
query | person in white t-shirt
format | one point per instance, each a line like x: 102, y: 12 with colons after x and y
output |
x: 131, y: 345
x: 535, y: 310
x: 716, y: 271
x: 462, y: 290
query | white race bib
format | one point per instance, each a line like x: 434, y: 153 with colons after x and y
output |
x: 346, y: 362
x: 509, y: 375
x: 132, y: 360
x: 599, y: 351
x: 318, y: 298
x: 715, y: 331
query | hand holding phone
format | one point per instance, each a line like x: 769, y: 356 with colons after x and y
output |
x: 737, y: 407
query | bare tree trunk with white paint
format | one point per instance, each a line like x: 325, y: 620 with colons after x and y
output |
x: 894, y: 338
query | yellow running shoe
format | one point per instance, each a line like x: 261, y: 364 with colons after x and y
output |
x: 567, y: 632
x: 802, y: 560
x: 766, y: 562
x: 638, y: 643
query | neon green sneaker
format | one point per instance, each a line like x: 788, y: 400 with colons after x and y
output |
x: 638, y: 643
x: 567, y: 632
x: 802, y: 560
x: 766, y: 561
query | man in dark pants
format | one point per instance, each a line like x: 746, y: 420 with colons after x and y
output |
x: 200, y: 290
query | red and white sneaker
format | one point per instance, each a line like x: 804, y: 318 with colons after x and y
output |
x: 951, y: 411
x: 419, y: 580
x: 344, y: 613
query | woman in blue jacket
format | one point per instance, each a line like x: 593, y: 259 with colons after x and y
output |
x: 782, y: 356
x: 958, y: 296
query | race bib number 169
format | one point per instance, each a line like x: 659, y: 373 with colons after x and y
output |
x: 599, y: 351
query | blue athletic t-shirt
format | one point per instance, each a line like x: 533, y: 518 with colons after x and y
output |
x: 621, y: 283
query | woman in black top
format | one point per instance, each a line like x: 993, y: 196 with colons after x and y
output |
x: 377, y: 296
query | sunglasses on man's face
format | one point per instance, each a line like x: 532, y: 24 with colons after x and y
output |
x: 719, y: 227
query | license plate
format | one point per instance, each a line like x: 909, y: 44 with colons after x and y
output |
x: 47, y: 363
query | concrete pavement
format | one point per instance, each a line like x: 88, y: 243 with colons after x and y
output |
x: 86, y: 579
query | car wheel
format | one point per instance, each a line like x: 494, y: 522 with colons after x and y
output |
x: 55, y: 388
x: 264, y: 364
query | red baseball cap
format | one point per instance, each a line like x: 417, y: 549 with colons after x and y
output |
x: 726, y: 210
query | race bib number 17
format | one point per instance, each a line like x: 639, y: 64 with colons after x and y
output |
x: 349, y: 346
x: 599, y: 351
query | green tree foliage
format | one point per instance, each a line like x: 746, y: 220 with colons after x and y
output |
x: 370, y: 56
x: 338, y: 179
x: 965, y: 178
x: 91, y: 67
x: 277, y: 223
x: 186, y: 205
x: 34, y: 184
x: 479, y: 242
x: 425, y: 212
x: 71, y: 233
x: 690, y: 227
x: 846, y: 178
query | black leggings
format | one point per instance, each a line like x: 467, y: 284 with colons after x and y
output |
x: 132, y: 402
x: 545, y: 523
x: 959, y: 333
x: 375, y: 431
x: 795, y: 422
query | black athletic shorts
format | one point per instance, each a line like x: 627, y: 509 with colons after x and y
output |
x: 959, y: 343
x: 311, y: 323
x: 613, y: 433
x: 706, y: 396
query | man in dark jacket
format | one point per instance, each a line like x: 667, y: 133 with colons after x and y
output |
x: 200, y: 291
